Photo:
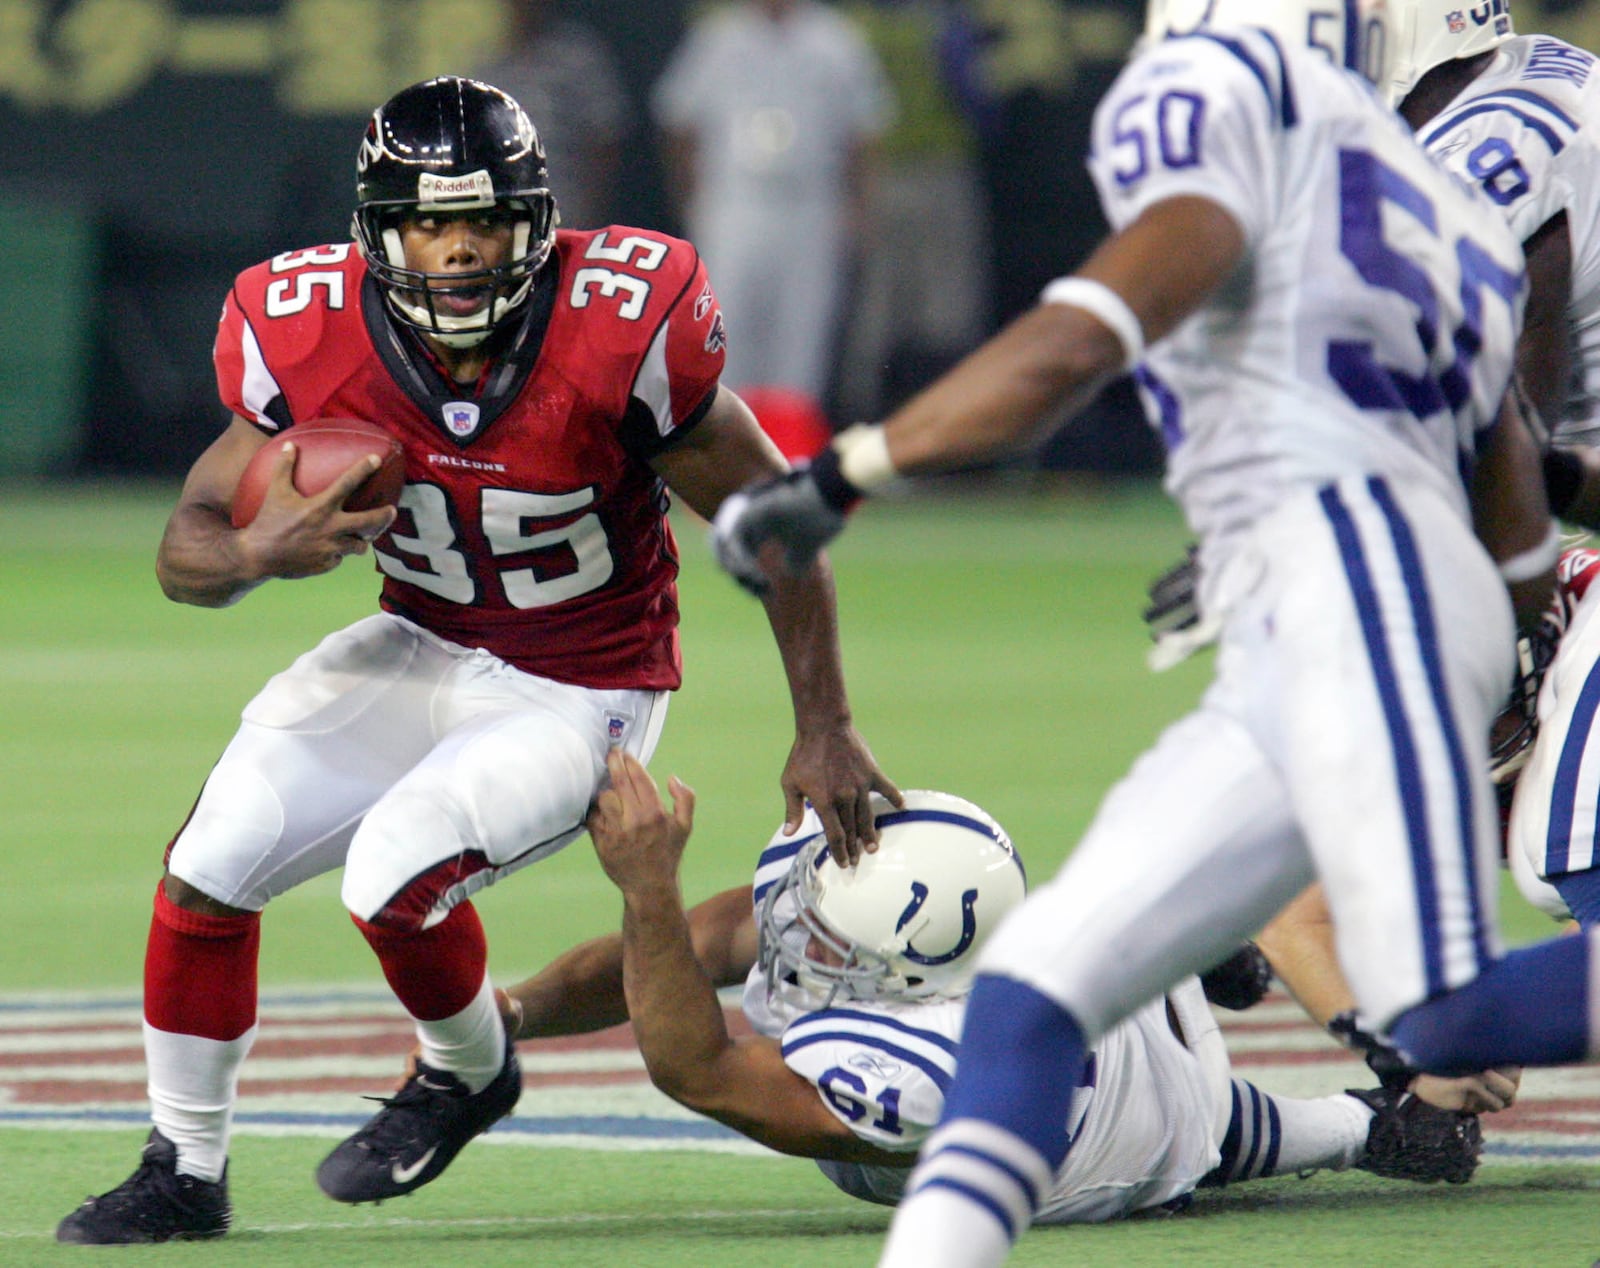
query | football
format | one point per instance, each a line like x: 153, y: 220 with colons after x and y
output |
x: 325, y: 449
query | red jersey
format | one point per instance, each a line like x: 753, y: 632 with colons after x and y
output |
x: 531, y: 523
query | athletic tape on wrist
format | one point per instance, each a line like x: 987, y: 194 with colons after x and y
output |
x: 1103, y: 303
x: 864, y: 456
x: 1535, y: 560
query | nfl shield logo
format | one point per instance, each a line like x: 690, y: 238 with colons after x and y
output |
x: 461, y: 417
x: 615, y: 726
x: 1456, y: 20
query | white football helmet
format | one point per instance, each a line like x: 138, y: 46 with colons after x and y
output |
x: 1355, y: 34
x: 905, y: 922
x: 1428, y: 33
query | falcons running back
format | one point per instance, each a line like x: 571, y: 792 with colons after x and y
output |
x: 547, y: 388
x: 1527, y: 130
x: 1551, y: 839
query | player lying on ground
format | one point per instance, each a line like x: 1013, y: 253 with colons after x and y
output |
x: 857, y: 1010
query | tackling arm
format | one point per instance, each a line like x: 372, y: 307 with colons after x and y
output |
x: 676, y: 1016
x: 581, y: 989
x: 205, y: 561
x: 829, y: 764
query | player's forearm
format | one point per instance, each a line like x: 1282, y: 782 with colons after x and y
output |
x: 804, y: 619
x: 1046, y: 364
x: 581, y: 990
x: 578, y: 992
x: 1299, y: 944
x: 677, y: 1018
x: 203, y: 560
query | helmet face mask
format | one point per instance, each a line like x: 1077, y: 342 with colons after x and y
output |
x: 1357, y: 35
x: 450, y: 148
x: 1429, y: 33
x: 906, y: 922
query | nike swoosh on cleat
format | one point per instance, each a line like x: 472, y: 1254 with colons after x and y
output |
x: 405, y: 1175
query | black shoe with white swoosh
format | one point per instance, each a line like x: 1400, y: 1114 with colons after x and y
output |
x: 417, y: 1133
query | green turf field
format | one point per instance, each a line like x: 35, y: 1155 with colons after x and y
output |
x: 993, y: 648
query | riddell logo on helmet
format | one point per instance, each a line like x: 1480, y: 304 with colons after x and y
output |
x: 436, y: 193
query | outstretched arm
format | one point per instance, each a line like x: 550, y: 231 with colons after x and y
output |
x: 676, y: 1016
x: 829, y: 764
x: 581, y: 989
x: 1049, y: 362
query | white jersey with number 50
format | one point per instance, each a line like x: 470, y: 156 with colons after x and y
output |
x: 1369, y: 329
x: 1528, y: 131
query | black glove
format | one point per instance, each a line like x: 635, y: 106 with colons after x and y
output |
x: 1383, y: 1058
x: 1173, y: 605
x: 802, y: 510
x: 1239, y: 982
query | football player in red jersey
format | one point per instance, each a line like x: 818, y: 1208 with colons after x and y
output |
x: 549, y: 388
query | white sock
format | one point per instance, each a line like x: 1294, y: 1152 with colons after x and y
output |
x: 471, y: 1045
x: 193, y: 1085
x: 940, y: 1228
x: 1280, y: 1135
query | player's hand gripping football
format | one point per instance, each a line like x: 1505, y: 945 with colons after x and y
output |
x: 295, y: 536
x: 778, y: 523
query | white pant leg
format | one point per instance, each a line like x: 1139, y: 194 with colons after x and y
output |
x: 315, y: 749
x: 1190, y: 853
x: 1385, y: 638
x: 511, y: 782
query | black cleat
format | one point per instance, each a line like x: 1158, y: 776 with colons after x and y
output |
x: 154, y: 1204
x: 416, y: 1134
x: 1412, y: 1140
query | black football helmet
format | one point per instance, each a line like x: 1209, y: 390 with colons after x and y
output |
x: 450, y: 145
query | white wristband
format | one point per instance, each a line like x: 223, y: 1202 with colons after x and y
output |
x: 1533, y: 561
x: 1103, y: 303
x: 864, y: 456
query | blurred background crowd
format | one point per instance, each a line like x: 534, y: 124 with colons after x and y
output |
x: 876, y: 185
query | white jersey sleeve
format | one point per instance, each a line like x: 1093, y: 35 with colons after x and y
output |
x: 882, y: 1069
x: 1194, y: 117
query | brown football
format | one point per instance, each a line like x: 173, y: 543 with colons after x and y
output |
x: 325, y: 449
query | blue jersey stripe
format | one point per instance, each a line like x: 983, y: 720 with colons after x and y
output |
x: 1564, y: 794
x: 1427, y: 628
x: 1413, y: 799
x: 1490, y: 106
x: 1282, y: 101
x: 878, y: 1019
x: 940, y: 1074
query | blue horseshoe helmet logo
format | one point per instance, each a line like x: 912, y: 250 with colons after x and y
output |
x: 969, y: 925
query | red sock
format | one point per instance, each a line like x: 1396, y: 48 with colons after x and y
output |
x: 200, y: 971
x: 435, y: 972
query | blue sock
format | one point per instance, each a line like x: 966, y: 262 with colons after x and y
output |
x: 1021, y: 1059
x: 1530, y: 1008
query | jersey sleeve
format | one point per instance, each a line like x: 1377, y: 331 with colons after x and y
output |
x: 678, y: 377
x: 244, y: 382
x: 1194, y: 117
x: 884, y: 1075
x: 1513, y: 146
